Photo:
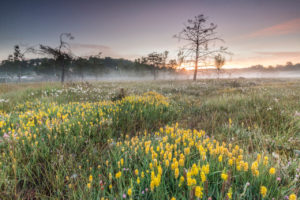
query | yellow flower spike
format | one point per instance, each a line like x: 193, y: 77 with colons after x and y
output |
x: 176, y: 173
x: 292, y: 197
x: 230, y: 162
x: 265, y: 162
x: 258, y: 158
x: 89, y: 185
x: 129, y: 192
x: 152, y: 185
x: 229, y: 194
x: 224, y: 176
x: 167, y: 163
x: 263, y: 191
x: 136, y: 172
x: 118, y: 174
x: 220, y: 158
x: 198, y: 192
x: 272, y: 171
x: 142, y: 174
x: 203, y: 177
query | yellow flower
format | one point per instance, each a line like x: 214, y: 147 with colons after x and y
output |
x: 230, y: 122
x: 157, y: 181
x: 167, y: 163
x: 136, y: 172
x: 272, y: 170
x: 89, y: 185
x: 220, y: 158
x: 293, y: 197
x: 203, y: 177
x: 152, y: 185
x: 224, y: 176
x: 150, y: 165
x: 198, y: 191
x: 173, y: 198
x: 176, y: 172
x: 263, y: 191
x: 138, y: 181
x: 229, y: 194
x: 181, y: 162
x: 129, y: 192
x: 265, y: 160
x: 91, y: 178
x: 187, y: 151
x: 159, y: 169
x: 118, y: 174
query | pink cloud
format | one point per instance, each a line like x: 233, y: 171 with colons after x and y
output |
x: 281, y: 54
x: 78, y: 46
x: 266, y: 58
x: 291, y: 26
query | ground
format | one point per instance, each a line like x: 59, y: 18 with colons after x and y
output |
x: 259, y: 115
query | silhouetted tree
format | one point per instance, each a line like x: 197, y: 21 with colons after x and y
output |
x: 180, y: 57
x: 219, y: 63
x: 62, y: 54
x: 165, y: 57
x: 18, y: 58
x: 199, y: 36
x: 156, y: 60
x: 173, y: 64
x: 81, y: 64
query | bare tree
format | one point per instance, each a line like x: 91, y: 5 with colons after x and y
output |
x: 173, y: 64
x: 18, y: 58
x: 200, y: 38
x: 219, y: 63
x: 180, y: 57
x: 62, y: 54
x: 156, y: 60
x: 165, y: 57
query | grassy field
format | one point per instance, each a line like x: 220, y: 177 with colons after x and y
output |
x: 210, y: 139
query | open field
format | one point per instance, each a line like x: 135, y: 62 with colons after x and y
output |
x: 217, y: 139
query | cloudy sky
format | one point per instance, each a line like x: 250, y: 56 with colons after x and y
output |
x: 257, y: 31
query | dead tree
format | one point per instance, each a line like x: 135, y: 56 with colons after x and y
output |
x: 61, y: 54
x: 156, y: 60
x: 199, y: 37
x: 19, y: 59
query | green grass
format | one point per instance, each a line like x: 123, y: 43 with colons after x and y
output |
x: 263, y: 114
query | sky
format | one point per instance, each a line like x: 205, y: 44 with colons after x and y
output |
x: 263, y: 32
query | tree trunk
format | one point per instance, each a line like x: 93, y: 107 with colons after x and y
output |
x: 63, y: 73
x: 196, y: 63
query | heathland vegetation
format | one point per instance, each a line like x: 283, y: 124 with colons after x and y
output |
x: 212, y: 139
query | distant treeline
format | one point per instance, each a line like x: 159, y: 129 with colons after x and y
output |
x: 80, y: 68
x: 289, y: 66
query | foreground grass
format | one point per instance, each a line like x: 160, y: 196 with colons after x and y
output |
x: 67, y: 154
